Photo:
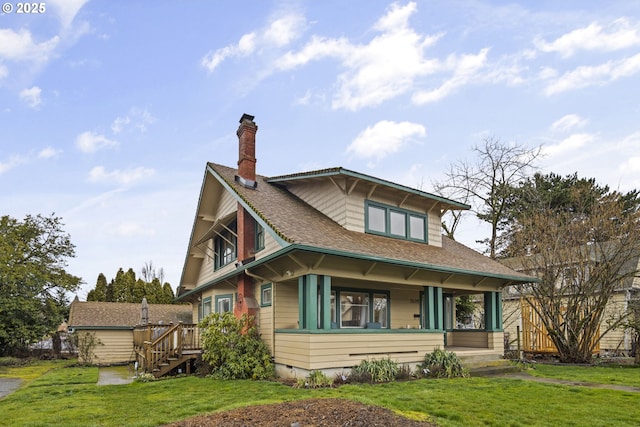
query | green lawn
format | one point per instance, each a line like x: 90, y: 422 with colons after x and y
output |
x: 69, y: 396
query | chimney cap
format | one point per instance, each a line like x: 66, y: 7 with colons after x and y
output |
x: 246, y: 116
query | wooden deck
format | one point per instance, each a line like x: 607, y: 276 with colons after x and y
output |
x: 160, y: 348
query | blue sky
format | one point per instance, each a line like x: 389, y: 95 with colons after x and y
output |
x: 109, y: 110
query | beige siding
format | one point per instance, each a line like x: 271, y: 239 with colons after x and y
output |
x: 285, y: 300
x: 345, y: 350
x: 404, y: 304
x: 325, y: 197
x: 435, y: 229
x: 116, y: 347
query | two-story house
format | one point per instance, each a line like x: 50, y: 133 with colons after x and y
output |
x: 336, y: 266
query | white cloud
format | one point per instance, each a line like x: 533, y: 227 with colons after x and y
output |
x: 20, y: 46
x: 620, y: 34
x: 89, y: 142
x: 569, y: 144
x: 280, y: 32
x: 11, y: 163
x: 32, y: 97
x: 568, y: 123
x: 137, y: 119
x: 384, y: 138
x: 632, y: 164
x: 124, y: 177
x: 48, y: 152
x: 602, y: 74
x: 67, y: 10
x: 465, y: 69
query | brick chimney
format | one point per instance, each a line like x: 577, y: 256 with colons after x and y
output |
x: 246, y: 302
x: 247, y: 151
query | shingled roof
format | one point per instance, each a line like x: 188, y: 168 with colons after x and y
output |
x: 298, y: 223
x: 119, y: 315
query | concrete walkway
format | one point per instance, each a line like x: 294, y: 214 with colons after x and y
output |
x: 9, y: 385
x: 525, y: 376
x: 113, y: 376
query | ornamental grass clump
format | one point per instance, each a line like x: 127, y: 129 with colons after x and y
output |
x: 376, y: 371
x: 315, y: 379
x: 233, y: 349
x: 442, y: 364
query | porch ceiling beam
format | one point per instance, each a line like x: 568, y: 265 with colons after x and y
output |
x: 445, y: 280
x: 373, y: 188
x: 366, y: 273
x: 271, y: 269
x: 319, y: 261
x: 479, y: 282
x: 413, y: 273
x: 297, y: 261
x: 208, y: 218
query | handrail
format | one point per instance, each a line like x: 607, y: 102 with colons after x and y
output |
x: 156, y: 344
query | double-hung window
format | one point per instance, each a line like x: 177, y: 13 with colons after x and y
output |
x: 225, y: 244
x: 395, y: 222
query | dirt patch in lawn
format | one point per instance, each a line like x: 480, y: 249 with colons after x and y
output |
x: 305, y: 413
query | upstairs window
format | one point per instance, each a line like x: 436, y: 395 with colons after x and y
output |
x: 259, y: 237
x: 395, y: 222
x: 225, y: 246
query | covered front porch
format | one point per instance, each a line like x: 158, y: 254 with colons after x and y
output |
x: 341, y: 322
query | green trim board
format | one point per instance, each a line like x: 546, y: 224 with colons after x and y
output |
x: 357, y: 175
x: 357, y: 331
x: 313, y: 249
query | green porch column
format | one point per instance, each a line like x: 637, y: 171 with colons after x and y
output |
x: 493, y: 311
x: 325, y: 301
x: 433, y: 309
x: 308, y: 301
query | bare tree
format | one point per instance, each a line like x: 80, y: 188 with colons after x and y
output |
x: 581, y: 256
x: 486, y: 184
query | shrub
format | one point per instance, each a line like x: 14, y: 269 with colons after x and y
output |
x: 315, y: 379
x: 377, y: 371
x: 442, y: 364
x: 145, y: 377
x: 233, y: 348
x: 85, y: 343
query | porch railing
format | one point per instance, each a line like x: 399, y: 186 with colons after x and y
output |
x: 161, y: 345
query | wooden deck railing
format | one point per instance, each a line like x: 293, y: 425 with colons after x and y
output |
x: 158, y: 345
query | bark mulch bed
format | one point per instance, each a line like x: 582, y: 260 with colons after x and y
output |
x: 304, y: 413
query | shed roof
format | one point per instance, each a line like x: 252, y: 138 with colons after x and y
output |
x: 120, y: 314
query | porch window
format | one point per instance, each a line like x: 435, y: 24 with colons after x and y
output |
x: 265, y: 295
x: 224, y: 303
x: 204, y: 309
x: 380, y: 313
x: 395, y: 222
x: 225, y: 244
x: 359, y: 309
x: 354, y: 309
x: 259, y: 237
